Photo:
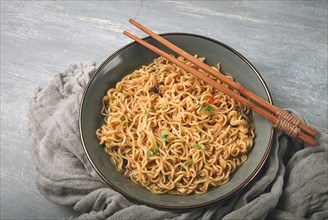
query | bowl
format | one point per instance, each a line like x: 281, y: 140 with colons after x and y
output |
x: 132, y: 57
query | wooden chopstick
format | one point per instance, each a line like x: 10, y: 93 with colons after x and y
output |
x: 273, y: 118
x: 232, y: 84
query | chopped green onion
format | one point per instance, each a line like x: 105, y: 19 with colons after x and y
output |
x: 155, y: 150
x: 122, y: 117
x: 127, y: 122
x: 199, y: 146
x: 148, y: 153
x: 164, y: 136
x: 189, y: 162
x: 153, y: 108
x: 208, y: 109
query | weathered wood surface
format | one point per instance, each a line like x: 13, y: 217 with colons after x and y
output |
x: 286, y: 41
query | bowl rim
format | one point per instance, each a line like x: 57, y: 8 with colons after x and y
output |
x: 221, y: 198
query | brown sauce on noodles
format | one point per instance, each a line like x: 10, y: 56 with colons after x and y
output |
x: 172, y: 133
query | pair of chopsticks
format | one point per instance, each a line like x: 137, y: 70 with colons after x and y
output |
x: 280, y: 119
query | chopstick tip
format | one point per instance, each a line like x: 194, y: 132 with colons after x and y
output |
x: 126, y: 33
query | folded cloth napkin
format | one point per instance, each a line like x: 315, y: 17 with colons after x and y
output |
x: 291, y: 185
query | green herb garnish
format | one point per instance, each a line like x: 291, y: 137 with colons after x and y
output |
x: 153, y: 152
x: 199, y: 146
x: 164, y: 136
x: 148, y: 153
x: 208, y: 109
x: 189, y: 162
x: 127, y: 122
x: 152, y: 108
x: 122, y: 117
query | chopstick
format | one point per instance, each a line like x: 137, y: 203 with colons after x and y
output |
x: 229, y: 82
x: 281, y: 123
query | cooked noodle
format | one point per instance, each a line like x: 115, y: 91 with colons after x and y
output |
x: 172, y: 133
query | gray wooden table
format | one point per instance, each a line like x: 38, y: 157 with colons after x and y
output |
x: 286, y: 41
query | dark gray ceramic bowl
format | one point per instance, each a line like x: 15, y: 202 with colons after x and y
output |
x: 133, y: 56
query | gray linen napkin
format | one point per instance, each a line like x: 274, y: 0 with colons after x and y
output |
x: 291, y: 185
